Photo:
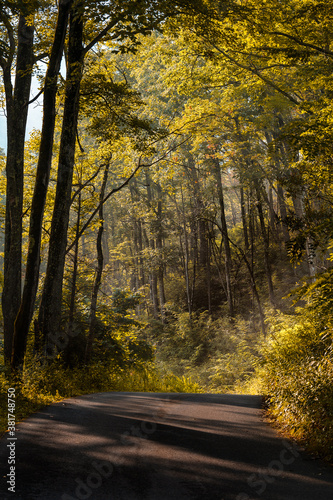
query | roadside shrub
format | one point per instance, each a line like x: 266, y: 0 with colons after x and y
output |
x: 296, y: 375
x: 41, y: 385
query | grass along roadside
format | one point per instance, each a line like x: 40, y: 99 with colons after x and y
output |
x: 41, y: 386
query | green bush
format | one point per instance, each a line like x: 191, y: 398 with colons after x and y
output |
x: 217, y: 353
x: 296, y: 375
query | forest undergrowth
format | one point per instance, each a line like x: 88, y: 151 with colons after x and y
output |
x: 41, y: 385
x: 292, y: 366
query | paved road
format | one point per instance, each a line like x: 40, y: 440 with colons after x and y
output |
x: 140, y: 446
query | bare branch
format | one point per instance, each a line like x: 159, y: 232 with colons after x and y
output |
x: 36, y: 97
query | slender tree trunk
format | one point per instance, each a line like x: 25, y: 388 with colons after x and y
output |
x: 283, y: 213
x: 99, y: 272
x: 154, y: 294
x: 151, y: 243
x: 266, y: 250
x: 105, y: 243
x: 140, y: 244
x: 203, y: 240
x: 253, y: 288
x: 256, y: 295
x: 184, y: 250
x: 200, y: 247
x: 135, y: 253
x: 159, y: 246
x: 189, y: 295
x: 272, y: 213
x: 217, y: 263
x: 75, y: 269
x: 243, y: 212
x: 209, y: 280
x: 298, y: 202
x: 233, y: 209
x: 225, y: 237
x: 25, y: 313
x: 50, y: 310
x: 17, y: 112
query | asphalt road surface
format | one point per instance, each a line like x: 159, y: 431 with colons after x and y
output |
x: 143, y: 446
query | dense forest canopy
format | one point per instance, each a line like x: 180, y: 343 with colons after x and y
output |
x: 179, y: 190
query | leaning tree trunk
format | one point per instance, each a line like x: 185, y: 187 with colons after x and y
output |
x: 17, y: 112
x: 50, y: 309
x: 25, y: 313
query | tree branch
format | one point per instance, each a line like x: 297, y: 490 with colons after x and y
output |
x: 256, y: 72
x: 304, y: 44
x: 121, y: 186
x: 11, y: 37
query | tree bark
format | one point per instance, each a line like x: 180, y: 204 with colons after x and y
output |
x: 25, y: 313
x: 17, y: 111
x: 50, y: 309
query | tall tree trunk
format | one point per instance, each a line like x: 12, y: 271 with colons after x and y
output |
x: 141, y: 260
x: 105, y: 244
x: 244, y: 222
x: 255, y: 292
x: 298, y: 202
x: 159, y: 246
x: 209, y: 280
x: 25, y: 313
x: 265, y: 238
x: 17, y: 111
x: 189, y: 293
x: 200, y: 247
x: 151, y: 245
x: 203, y: 240
x: 272, y: 213
x: 225, y: 237
x: 283, y: 212
x: 99, y: 271
x: 154, y: 293
x: 136, y: 239
x: 50, y: 309
x: 75, y: 268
